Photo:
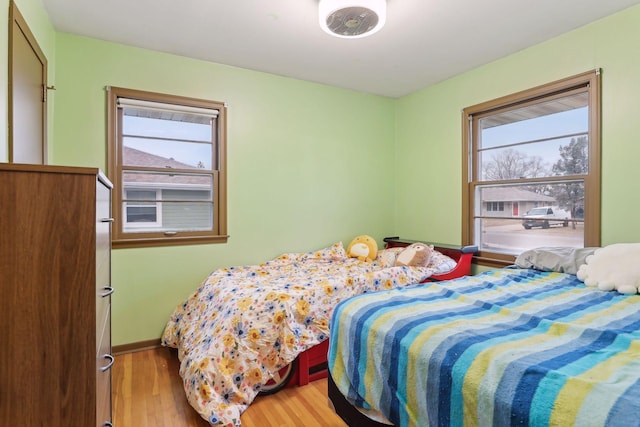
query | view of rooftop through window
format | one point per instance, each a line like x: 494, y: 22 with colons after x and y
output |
x: 188, y: 143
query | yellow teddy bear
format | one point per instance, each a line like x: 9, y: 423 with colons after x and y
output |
x: 363, y: 247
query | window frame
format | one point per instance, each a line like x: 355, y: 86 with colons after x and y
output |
x: 123, y: 239
x: 592, y: 180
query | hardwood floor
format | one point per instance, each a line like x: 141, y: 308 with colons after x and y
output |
x: 147, y: 392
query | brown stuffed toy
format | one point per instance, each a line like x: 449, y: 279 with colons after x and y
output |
x: 415, y: 255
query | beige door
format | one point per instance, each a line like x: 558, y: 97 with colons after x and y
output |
x: 27, y: 94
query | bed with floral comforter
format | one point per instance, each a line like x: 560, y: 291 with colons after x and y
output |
x: 244, y: 323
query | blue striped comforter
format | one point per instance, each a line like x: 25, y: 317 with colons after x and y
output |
x: 508, y: 347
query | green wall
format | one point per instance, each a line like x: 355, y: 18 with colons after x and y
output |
x: 306, y: 166
x: 429, y: 127
x: 309, y: 164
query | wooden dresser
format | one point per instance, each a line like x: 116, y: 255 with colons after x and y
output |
x: 55, y: 287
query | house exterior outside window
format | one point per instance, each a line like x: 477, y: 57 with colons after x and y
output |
x: 495, y: 206
x: 535, y: 149
x: 167, y: 163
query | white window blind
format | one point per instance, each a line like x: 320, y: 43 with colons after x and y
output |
x: 161, y: 106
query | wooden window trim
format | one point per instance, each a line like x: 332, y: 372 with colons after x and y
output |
x: 114, y: 155
x: 592, y: 212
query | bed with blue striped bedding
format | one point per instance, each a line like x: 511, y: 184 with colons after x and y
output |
x: 510, y: 347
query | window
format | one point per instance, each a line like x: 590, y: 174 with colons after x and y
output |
x: 531, y: 170
x: 167, y: 164
x: 495, y: 206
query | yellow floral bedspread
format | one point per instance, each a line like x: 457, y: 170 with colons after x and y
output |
x: 244, y: 323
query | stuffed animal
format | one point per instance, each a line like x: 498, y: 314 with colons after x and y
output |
x: 613, y: 268
x: 416, y: 254
x: 363, y: 247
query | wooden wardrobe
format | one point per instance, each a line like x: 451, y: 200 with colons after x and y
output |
x: 55, y: 296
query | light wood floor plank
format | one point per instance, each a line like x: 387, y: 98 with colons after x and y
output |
x: 148, y: 392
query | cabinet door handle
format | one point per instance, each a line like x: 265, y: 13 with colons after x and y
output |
x: 107, y: 219
x: 108, y: 291
x: 107, y: 424
x: 111, y: 360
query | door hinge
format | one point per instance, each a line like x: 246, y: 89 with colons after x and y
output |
x: 45, y: 88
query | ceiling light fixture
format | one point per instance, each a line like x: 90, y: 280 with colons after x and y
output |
x: 352, y: 19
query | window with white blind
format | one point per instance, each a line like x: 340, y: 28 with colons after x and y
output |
x: 531, y: 170
x: 167, y: 164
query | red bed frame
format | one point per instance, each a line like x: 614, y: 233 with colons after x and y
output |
x: 312, y: 363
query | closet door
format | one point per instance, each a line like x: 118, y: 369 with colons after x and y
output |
x: 27, y: 94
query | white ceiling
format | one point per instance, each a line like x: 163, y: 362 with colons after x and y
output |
x: 423, y: 42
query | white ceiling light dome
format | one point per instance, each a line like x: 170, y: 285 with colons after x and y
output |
x: 352, y: 19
